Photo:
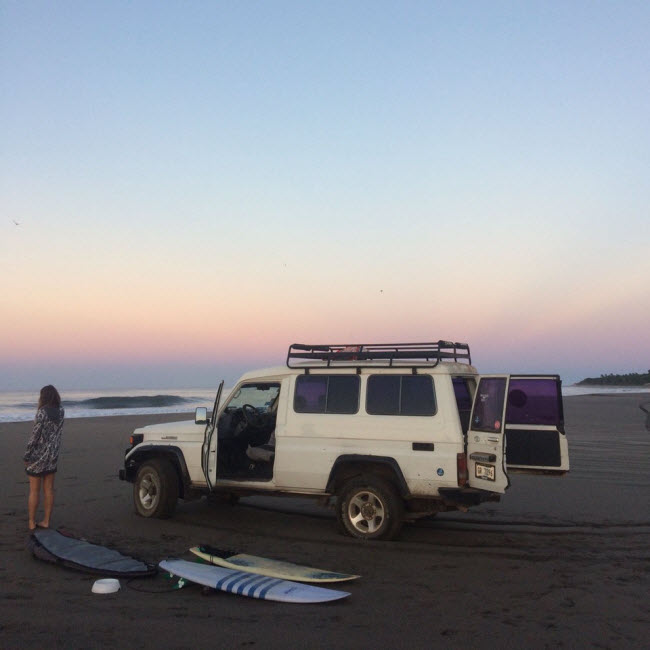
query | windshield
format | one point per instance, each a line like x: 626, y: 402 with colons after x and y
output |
x: 261, y: 396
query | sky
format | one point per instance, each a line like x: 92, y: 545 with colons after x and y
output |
x: 189, y: 187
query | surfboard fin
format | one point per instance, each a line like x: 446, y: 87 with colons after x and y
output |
x: 177, y: 582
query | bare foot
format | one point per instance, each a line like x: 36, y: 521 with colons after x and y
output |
x: 42, y: 525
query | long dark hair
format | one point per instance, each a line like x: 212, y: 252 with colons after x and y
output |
x: 49, y: 397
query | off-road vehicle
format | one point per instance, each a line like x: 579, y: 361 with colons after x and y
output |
x: 391, y: 432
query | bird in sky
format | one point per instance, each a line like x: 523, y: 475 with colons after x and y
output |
x: 16, y: 222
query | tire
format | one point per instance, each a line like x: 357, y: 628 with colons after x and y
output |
x: 369, y: 507
x: 155, y: 491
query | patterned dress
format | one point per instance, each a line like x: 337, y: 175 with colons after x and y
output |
x: 43, y: 447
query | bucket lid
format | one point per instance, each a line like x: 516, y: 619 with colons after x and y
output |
x: 106, y: 586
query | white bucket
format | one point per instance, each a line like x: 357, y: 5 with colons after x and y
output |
x: 106, y: 586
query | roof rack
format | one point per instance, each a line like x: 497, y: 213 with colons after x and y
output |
x: 377, y: 354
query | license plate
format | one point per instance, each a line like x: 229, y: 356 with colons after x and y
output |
x: 485, y: 471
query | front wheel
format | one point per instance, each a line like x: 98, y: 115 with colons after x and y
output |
x: 370, y: 508
x: 155, y: 491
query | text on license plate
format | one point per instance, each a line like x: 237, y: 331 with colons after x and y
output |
x: 485, y: 471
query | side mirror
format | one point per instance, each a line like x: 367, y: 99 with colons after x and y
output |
x: 201, y: 415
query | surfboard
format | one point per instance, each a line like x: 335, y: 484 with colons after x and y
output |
x: 58, y: 548
x: 250, y: 584
x: 266, y: 567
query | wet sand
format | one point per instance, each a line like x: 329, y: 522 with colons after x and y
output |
x: 558, y: 563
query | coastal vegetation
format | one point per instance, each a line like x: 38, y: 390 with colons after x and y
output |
x: 629, y: 379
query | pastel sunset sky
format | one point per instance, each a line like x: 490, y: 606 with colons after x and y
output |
x: 189, y: 187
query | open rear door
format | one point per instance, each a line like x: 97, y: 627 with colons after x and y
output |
x: 486, y: 435
x: 535, y: 436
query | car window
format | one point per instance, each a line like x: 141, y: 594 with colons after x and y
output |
x: 534, y: 401
x: 463, y: 401
x: 326, y: 394
x: 462, y: 393
x: 400, y: 395
x: 261, y: 396
x: 488, y: 404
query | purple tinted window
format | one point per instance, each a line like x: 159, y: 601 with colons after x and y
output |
x: 463, y: 401
x: 343, y: 394
x: 534, y: 401
x: 463, y: 397
x: 417, y: 395
x: 311, y: 392
x: 327, y: 394
x: 488, y: 404
x: 382, y: 397
x: 400, y: 395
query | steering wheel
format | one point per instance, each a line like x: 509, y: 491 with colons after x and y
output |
x: 252, y: 416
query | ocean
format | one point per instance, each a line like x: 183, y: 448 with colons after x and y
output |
x: 20, y: 406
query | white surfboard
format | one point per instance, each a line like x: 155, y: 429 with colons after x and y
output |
x: 266, y: 567
x: 252, y: 585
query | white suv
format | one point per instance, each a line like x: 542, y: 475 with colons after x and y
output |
x: 393, y: 431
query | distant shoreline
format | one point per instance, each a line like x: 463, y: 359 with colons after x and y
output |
x: 627, y: 380
x: 631, y: 390
x: 587, y: 384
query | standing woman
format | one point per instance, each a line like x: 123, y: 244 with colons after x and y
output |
x: 43, y: 453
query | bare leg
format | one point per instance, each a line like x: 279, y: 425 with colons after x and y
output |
x: 48, y: 499
x: 32, y: 503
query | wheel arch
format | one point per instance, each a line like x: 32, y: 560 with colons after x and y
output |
x: 170, y: 453
x: 348, y: 466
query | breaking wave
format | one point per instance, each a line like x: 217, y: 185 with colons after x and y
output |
x: 130, y: 402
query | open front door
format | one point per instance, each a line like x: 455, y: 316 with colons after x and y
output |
x: 536, y: 441
x: 486, y: 435
x: 209, y: 449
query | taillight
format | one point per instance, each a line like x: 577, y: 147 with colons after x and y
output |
x: 461, y: 464
x: 136, y: 439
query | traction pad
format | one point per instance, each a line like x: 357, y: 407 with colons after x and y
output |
x: 52, y: 546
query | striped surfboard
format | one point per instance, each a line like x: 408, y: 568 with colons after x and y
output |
x: 252, y: 585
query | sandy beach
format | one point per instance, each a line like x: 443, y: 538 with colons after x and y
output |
x: 558, y: 563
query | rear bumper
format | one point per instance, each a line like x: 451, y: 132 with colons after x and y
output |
x: 467, y: 496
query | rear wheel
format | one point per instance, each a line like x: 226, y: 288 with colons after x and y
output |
x: 155, y: 491
x: 369, y: 507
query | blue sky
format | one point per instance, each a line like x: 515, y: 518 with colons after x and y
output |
x: 199, y: 184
